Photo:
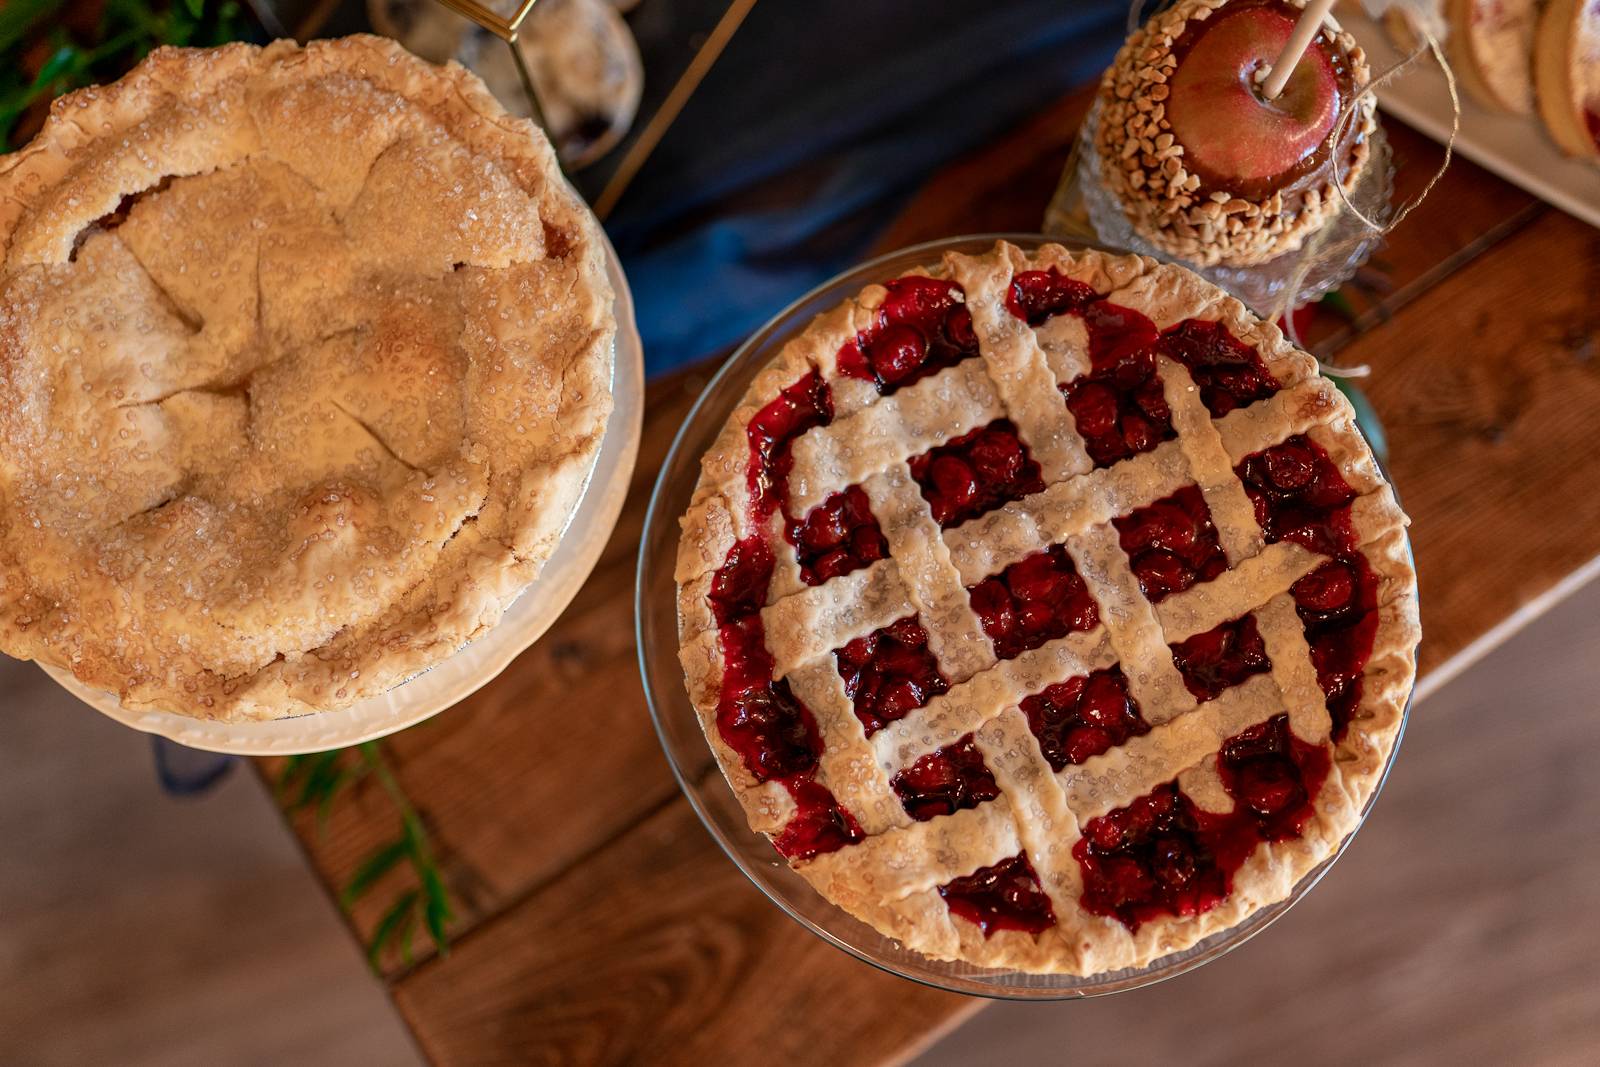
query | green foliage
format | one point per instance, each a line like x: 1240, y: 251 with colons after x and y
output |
x: 127, y: 31
x: 1366, y: 417
x: 313, y: 782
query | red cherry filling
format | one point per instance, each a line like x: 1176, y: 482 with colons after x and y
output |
x: 1337, y: 602
x: 1036, y: 296
x: 771, y: 730
x: 1007, y: 896
x: 945, y: 782
x: 1035, y: 600
x: 1222, y: 658
x: 1273, y: 777
x: 739, y: 587
x: 890, y: 673
x: 839, y: 535
x: 1591, y: 119
x: 1229, y: 372
x: 1119, y: 408
x: 922, y: 327
x: 975, y: 473
x: 1300, y: 496
x: 1084, y: 716
x: 805, y: 404
x: 1171, y: 544
x: 1157, y: 856
x: 1161, y: 855
x: 758, y: 717
x: 819, y: 825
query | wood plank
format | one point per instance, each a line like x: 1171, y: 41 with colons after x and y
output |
x: 1002, y: 187
x: 1468, y: 212
x: 521, y: 779
x: 1488, y: 386
x: 657, y: 950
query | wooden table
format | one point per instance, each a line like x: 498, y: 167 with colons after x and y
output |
x: 600, y: 923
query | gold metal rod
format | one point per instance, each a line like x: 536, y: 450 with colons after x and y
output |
x: 664, y: 117
x: 528, y: 90
x: 486, y: 18
x: 521, y: 14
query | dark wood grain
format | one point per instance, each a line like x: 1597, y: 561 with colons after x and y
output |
x: 1466, y: 214
x: 600, y: 924
x: 1489, y: 385
x: 657, y: 950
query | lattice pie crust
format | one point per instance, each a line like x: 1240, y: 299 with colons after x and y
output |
x: 888, y: 869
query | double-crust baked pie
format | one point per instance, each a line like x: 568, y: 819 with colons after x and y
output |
x: 1047, y: 610
x: 305, y: 359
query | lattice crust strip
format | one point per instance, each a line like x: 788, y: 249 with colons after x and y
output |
x: 1023, y: 379
x: 892, y: 876
x: 967, y: 706
x: 924, y: 562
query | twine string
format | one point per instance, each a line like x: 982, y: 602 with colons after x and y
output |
x: 1314, y: 247
x: 1430, y: 44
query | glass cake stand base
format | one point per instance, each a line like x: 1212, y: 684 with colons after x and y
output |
x: 685, y: 744
x: 451, y: 681
x: 1086, y: 205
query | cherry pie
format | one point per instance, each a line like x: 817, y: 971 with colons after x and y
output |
x: 1047, y: 609
x: 305, y: 360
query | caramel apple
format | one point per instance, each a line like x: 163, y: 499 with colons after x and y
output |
x: 1206, y: 167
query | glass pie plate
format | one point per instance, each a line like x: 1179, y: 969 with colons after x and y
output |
x: 690, y: 756
x: 451, y: 681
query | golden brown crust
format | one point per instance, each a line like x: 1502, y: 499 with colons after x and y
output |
x: 1491, y: 50
x: 890, y: 878
x: 1567, y: 75
x: 1163, y: 201
x: 305, y: 359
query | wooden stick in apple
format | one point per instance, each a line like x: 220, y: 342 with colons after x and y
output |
x: 1310, y: 21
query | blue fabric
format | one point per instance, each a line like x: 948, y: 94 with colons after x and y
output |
x: 185, y: 772
x: 809, y: 134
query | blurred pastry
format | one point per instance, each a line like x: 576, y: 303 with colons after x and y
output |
x: 1568, y: 71
x: 581, y: 55
x: 305, y: 362
x: 1491, y: 49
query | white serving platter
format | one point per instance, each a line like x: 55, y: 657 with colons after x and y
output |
x: 1516, y: 147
